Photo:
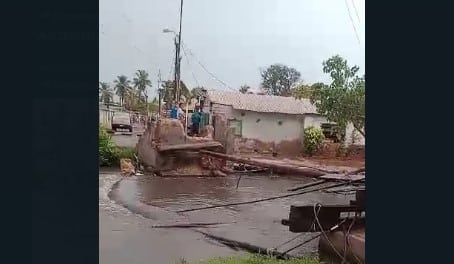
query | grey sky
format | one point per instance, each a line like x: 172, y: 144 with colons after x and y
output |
x: 233, y: 39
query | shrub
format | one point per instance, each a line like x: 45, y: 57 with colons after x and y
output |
x: 108, y: 153
x: 126, y: 153
x: 313, y: 140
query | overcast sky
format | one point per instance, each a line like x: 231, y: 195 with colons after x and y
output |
x: 233, y: 39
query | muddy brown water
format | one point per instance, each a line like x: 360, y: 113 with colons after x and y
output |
x: 159, y: 199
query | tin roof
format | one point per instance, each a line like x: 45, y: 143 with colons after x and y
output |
x: 263, y: 103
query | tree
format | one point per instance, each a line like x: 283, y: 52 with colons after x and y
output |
x: 141, y: 82
x: 169, y: 87
x: 130, y: 99
x: 106, y: 93
x: 122, y: 84
x: 306, y: 90
x: 343, y: 101
x: 244, y: 89
x: 278, y: 79
x: 196, y: 93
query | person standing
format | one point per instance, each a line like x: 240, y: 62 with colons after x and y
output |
x: 180, y: 112
x: 174, y: 111
x: 195, y: 118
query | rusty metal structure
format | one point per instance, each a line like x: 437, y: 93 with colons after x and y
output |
x: 166, y: 150
x: 341, y: 227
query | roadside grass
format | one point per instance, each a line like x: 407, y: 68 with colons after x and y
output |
x: 255, y: 259
x: 109, y: 153
x: 125, y: 153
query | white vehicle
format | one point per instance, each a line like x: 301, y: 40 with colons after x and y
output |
x: 121, y: 121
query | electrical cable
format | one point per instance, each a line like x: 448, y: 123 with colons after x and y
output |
x: 356, y: 11
x: 323, y: 232
x: 312, y: 238
x: 190, y: 66
x: 171, y: 66
x: 351, y: 19
x: 206, y: 70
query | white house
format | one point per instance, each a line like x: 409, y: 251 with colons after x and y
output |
x: 263, y: 122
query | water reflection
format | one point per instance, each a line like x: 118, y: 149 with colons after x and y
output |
x: 257, y: 223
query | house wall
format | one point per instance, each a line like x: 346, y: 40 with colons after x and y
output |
x: 313, y: 120
x: 353, y: 137
x: 105, y: 117
x: 265, y: 126
x: 265, y: 135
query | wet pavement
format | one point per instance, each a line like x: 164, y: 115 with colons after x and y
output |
x: 157, y: 199
x: 125, y: 237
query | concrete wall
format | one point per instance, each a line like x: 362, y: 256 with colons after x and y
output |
x: 313, y: 120
x: 262, y: 131
x: 105, y: 117
x: 219, y: 110
x: 265, y: 126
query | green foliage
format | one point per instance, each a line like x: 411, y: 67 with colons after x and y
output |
x: 125, y: 153
x: 258, y: 259
x: 107, y: 149
x: 122, y: 85
x: 106, y: 94
x: 169, y: 90
x: 306, y: 90
x: 109, y: 154
x: 141, y: 82
x: 278, y: 79
x: 244, y: 89
x: 313, y: 140
x: 342, y: 101
x: 153, y: 107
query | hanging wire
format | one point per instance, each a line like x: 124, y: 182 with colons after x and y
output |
x: 351, y: 19
x: 190, y: 66
x: 356, y: 11
x: 206, y: 70
x: 317, y: 208
x: 171, y: 67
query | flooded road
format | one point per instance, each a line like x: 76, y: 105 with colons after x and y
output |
x: 126, y: 237
x: 159, y: 199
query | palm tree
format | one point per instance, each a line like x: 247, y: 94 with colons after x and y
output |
x: 244, y: 89
x: 106, y: 93
x: 122, y: 84
x: 141, y: 82
x: 130, y: 98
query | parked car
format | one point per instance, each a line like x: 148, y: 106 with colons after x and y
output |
x: 121, y: 121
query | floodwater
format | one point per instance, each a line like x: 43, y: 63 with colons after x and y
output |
x: 159, y: 199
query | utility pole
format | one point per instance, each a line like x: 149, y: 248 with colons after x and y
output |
x: 178, y: 58
x: 176, y: 72
x: 159, y: 93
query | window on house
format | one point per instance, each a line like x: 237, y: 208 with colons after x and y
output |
x: 237, y: 125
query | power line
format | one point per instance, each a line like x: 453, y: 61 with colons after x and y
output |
x: 171, y: 67
x: 351, y: 19
x: 207, y: 71
x: 356, y: 11
x: 190, y: 67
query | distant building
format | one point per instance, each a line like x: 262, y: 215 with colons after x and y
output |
x: 262, y: 122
